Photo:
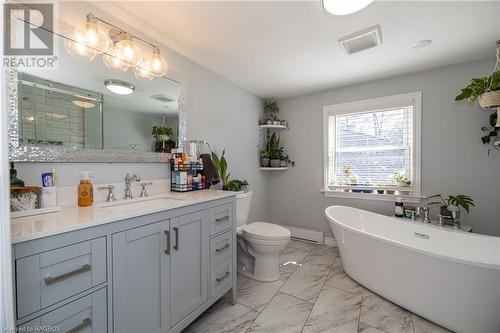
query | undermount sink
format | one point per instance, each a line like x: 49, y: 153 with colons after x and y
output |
x: 141, y: 204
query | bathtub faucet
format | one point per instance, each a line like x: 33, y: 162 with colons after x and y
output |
x: 423, y: 213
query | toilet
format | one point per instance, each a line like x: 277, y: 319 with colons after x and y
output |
x: 259, y: 243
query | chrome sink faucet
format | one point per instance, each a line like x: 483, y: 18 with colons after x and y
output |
x: 128, y: 180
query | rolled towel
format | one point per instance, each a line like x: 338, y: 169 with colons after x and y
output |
x: 209, y: 170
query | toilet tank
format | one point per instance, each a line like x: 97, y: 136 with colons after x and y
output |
x: 243, y: 202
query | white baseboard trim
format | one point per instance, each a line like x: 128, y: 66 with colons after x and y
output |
x: 306, y: 235
x: 330, y: 241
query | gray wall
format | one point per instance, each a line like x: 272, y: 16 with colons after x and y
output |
x: 454, y: 161
x: 218, y: 111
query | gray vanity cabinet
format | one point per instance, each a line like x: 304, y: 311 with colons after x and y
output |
x: 189, y: 264
x: 141, y: 279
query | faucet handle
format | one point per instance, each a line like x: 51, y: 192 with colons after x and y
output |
x: 144, y: 193
x: 111, y: 195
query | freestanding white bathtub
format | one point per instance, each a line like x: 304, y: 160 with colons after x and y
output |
x: 447, y: 276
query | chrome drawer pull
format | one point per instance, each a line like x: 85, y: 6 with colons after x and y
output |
x: 419, y: 235
x: 85, y: 323
x: 223, y: 277
x: 222, y: 248
x: 222, y: 218
x: 51, y: 280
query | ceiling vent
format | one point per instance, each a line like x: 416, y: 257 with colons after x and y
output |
x: 361, y: 40
x: 162, y: 98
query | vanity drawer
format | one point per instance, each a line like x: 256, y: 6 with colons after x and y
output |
x: 221, y: 248
x: 220, y: 218
x: 85, y: 315
x: 221, y: 278
x: 49, y: 277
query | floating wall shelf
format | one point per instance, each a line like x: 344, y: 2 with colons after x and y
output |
x: 274, y: 126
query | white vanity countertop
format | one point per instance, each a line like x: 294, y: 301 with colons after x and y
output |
x: 72, y: 217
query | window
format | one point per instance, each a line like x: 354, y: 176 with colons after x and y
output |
x: 372, y: 147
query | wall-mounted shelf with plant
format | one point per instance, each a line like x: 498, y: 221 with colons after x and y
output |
x: 486, y: 90
x: 272, y: 154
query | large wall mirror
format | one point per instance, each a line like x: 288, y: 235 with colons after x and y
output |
x: 86, y: 112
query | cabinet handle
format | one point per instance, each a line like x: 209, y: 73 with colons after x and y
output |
x: 222, y: 248
x: 51, y: 280
x: 85, y: 323
x: 176, y: 245
x: 167, y: 250
x: 222, y: 277
x: 222, y: 218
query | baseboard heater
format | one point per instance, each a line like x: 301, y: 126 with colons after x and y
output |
x: 307, y: 235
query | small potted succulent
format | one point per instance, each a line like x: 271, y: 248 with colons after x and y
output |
x: 380, y: 191
x: 264, y: 158
x: 162, y: 133
x: 284, y: 161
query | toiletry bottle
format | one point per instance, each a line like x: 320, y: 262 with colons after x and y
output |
x: 85, y: 190
x: 398, y: 208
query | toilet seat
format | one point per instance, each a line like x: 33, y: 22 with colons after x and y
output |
x: 265, y: 231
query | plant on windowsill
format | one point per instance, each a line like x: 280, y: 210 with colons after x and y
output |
x: 401, y: 179
x: 460, y: 200
x: 379, y: 191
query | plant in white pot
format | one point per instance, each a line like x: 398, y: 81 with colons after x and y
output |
x: 275, y: 151
x: 486, y: 90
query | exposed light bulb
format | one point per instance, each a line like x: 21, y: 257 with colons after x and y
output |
x: 87, y: 40
x: 128, y: 51
x: 144, y: 71
x: 344, y: 7
x: 113, y: 61
x: 158, y: 64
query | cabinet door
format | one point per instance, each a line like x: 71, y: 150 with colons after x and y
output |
x: 189, y: 264
x: 141, y: 279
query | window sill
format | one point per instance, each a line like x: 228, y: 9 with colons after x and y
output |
x: 371, y: 196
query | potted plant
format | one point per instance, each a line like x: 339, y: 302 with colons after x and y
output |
x: 380, y: 191
x: 401, y: 179
x: 264, y: 158
x: 271, y: 109
x: 484, y: 89
x: 221, y: 165
x: 453, y: 201
x: 275, y: 151
x: 162, y: 133
x: 284, y: 161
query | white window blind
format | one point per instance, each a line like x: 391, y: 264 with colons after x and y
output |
x: 368, y: 142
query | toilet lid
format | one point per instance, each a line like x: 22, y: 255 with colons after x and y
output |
x: 264, y: 230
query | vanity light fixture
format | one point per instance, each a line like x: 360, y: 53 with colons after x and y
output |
x: 83, y: 104
x: 121, y: 50
x: 119, y: 87
x: 344, y: 7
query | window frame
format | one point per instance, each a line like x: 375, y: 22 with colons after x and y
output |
x: 374, y: 104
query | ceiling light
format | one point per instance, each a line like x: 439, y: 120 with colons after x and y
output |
x: 421, y: 44
x: 83, y: 104
x: 344, y: 7
x: 87, y: 40
x: 119, y: 87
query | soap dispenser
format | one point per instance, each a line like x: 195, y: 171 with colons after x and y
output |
x: 85, y: 190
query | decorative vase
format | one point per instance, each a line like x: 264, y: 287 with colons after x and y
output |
x: 275, y: 162
x: 264, y: 162
x: 490, y: 99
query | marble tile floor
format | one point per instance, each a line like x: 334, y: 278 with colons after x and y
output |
x: 313, y: 295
